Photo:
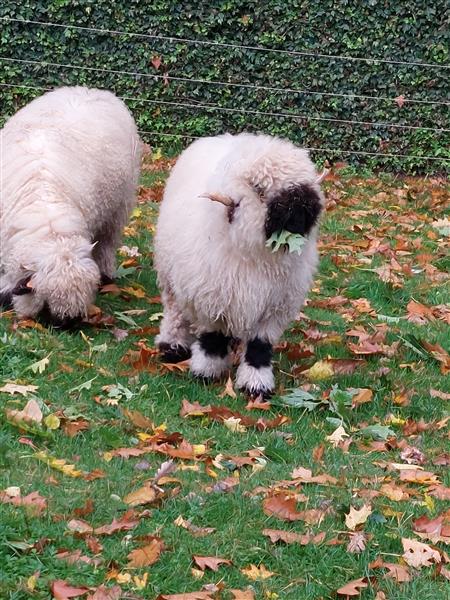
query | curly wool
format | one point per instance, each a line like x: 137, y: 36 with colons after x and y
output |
x: 70, y: 165
x: 214, y: 269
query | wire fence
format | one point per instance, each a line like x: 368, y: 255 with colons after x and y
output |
x: 52, y: 70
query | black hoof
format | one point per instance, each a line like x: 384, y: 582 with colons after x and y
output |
x: 6, y: 300
x: 252, y: 394
x: 105, y: 280
x: 173, y: 354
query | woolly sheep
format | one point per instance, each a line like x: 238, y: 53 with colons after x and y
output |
x: 219, y: 281
x: 69, y: 164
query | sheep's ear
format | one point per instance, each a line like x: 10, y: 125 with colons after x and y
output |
x: 23, y: 287
x: 295, y: 209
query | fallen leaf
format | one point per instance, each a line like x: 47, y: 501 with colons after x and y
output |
x: 210, y: 562
x: 61, y: 590
x: 291, y: 537
x: 194, y: 529
x: 357, y: 517
x: 105, y: 593
x: 30, y: 413
x: 243, y: 594
x: 357, y: 542
x: 203, y: 595
x: 337, y: 436
x: 353, y: 588
x: 418, y: 555
x: 14, y: 388
x: 229, y: 390
x: 282, y: 507
x: 257, y: 573
x: 146, y: 555
x: 144, y: 495
x: 33, y: 501
x: 305, y: 476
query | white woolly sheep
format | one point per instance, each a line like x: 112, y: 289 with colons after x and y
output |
x: 218, y: 278
x: 70, y: 165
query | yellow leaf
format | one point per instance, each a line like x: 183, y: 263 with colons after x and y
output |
x: 357, y: 517
x: 257, y: 573
x: 137, y: 212
x: 320, y: 370
x: 428, y: 502
x: 234, y: 425
x: 140, y: 582
x: 144, y: 436
x: 123, y: 577
x: 52, y: 422
x: 197, y: 573
x: 31, y: 582
x: 199, y: 449
x: 396, y: 421
x: 58, y: 464
x: 107, y: 456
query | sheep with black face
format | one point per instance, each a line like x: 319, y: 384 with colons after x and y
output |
x: 70, y: 165
x: 226, y: 196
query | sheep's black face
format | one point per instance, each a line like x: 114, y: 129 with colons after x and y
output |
x: 47, y: 318
x: 295, y: 209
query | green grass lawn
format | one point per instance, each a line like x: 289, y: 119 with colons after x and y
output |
x: 380, y: 242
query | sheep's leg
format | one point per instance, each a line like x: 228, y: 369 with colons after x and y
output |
x: 254, y: 374
x: 104, y: 254
x: 174, y: 339
x: 210, y: 358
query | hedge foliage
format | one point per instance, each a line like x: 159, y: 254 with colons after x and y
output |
x: 413, y: 31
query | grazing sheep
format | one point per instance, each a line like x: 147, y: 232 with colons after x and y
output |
x: 224, y: 199
x: 69, y: 164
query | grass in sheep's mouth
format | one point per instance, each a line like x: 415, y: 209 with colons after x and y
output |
x: 379, y: 251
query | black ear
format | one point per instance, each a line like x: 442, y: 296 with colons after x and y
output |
x: 6, y: 300
x: 22, y: 287
x: 295, y: 209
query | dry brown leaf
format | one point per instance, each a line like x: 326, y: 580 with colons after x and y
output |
x: 243, y: 594
x: 398, y: 572
x: 34, y: 502
x: 363, y: 396
x: 357, y: 542
x: 291, y: 537
x: 15, y: 388
x: 353, y: 588
x: 283, y: 507
x: 210, y: 562
x: 138, y: 419
x: 436, y: 530
x: 305, y: 476
x: 61, y: 590
x: 146, y: 555
x: 357, y: 517
x: 144, y: 495
x: 419, y: 555
x: 31, y: 413
x: 229, y: 389
x: 193, y: 409
x: 125, y: 523
x: 194, y: 529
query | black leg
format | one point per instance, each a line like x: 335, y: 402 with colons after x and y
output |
x: 214, y: 343
x: 259, y: 353
x: 173, y: 354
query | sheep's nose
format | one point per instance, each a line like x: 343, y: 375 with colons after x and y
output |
x: 47, y: 318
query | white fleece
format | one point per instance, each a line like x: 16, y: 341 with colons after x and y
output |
x: 69, y: 170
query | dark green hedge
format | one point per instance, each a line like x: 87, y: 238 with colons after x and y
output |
x: 413, y: 31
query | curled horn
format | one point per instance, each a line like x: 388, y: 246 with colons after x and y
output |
x: 24, y: 286
x: 225, y: 200
x: 322, y: 176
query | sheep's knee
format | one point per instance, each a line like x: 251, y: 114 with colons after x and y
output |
x: 255, y: 375
x: 210, y: 357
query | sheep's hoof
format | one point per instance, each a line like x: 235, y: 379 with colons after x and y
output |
x: 262, y: 394
x: 106, y: 280
x: 173, y: 354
